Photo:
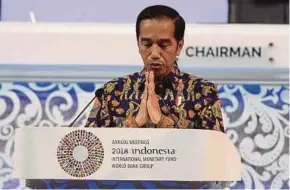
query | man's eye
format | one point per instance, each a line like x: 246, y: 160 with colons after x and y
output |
x: 147, y: 44
x: 163, y: 46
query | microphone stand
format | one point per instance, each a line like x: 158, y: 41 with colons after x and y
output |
x: 98, y: 93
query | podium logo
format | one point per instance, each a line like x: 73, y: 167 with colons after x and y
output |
x: 80, y: 153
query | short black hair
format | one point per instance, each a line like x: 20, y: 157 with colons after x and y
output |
x: 162, y: 11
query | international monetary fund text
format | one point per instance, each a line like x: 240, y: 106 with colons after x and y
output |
x: 138, y: 154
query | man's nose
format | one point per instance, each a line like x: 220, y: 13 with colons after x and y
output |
x: 155, y: 51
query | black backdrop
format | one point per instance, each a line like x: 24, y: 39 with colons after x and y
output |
x: 259, y: 11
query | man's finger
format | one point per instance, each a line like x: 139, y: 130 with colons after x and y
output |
x: 145, y: 92
x: 151, y: 77
x: 148, y: 84
x: 151, y: 85
x: 147, y: 76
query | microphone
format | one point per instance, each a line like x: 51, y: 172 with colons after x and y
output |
x: 98, y: 93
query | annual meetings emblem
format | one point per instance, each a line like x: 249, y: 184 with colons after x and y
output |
x: 80, y: 153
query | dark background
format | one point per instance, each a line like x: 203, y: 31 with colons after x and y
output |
x: 259, y: 11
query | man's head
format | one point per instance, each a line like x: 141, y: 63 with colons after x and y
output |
x: 160, y: 32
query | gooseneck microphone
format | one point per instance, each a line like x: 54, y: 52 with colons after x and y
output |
x: 98, y: 94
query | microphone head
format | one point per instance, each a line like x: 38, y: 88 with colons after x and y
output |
x: 159, y: 91
x: 168, y: 83
x: 99, y: 92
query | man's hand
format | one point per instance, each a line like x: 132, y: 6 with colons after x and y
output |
x: 142, y: 117
x: 149, y: 107
x: 153, y: 107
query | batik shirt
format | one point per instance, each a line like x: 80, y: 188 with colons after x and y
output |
x: 186, y: 101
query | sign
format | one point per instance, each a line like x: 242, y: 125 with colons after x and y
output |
x: 125, y: 154
x: 236, y: 46
x: 115, y: 44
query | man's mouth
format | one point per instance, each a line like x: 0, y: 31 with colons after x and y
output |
x: 155, y: 65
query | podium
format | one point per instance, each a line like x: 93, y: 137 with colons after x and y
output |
x: 125, y: 154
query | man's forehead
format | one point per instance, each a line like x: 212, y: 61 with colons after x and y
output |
x: 157, y: 30
x: 164, y: 27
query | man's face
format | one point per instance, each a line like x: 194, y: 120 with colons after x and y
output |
x: 157, y: 45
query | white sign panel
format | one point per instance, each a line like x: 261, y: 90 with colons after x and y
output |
x: 125, y: 154
x: 115, y: 44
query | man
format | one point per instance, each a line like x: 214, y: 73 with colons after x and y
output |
x: 160, y: 95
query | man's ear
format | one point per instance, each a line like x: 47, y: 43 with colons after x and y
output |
x: 179, y: 47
